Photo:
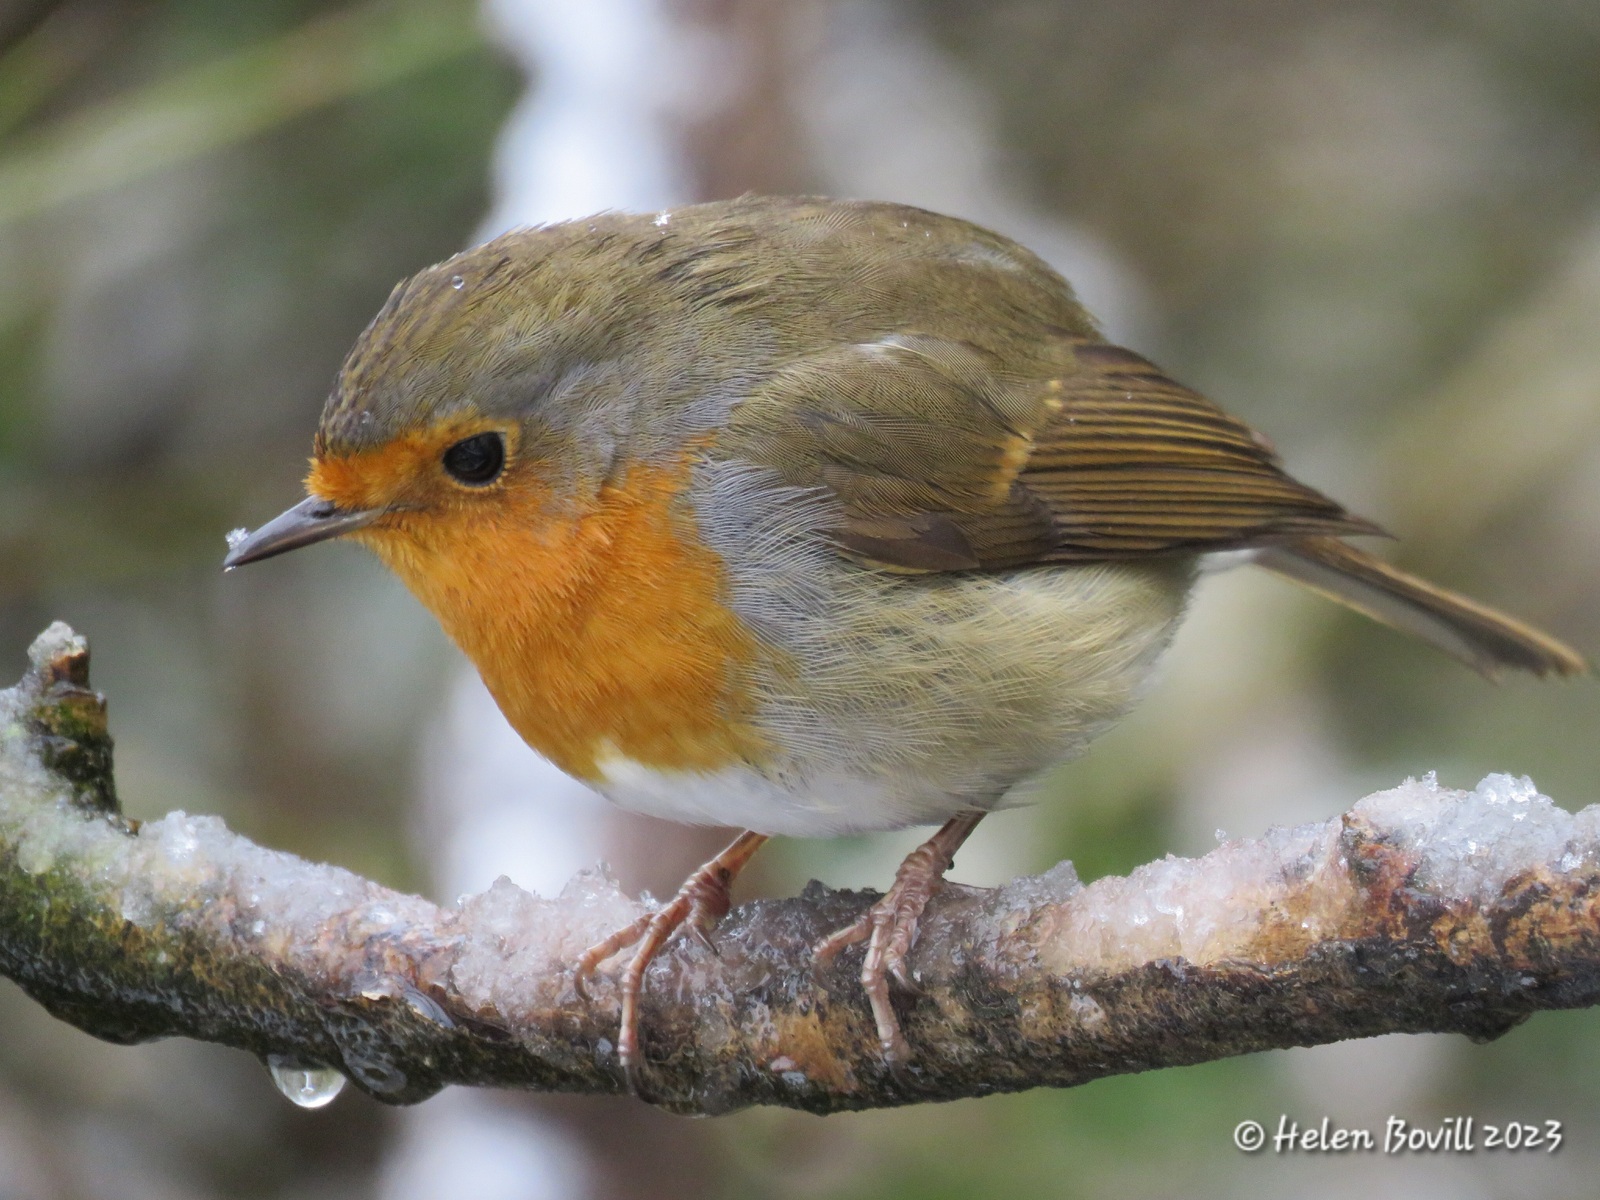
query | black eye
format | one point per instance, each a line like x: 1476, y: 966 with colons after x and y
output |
x: 476, y: 460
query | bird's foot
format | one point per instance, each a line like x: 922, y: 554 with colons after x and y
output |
x: 889, y: 928
x: 701, y: 902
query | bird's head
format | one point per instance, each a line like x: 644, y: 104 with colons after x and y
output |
x: 505, y: 388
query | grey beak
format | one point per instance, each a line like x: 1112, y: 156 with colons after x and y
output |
x: 312, y: 520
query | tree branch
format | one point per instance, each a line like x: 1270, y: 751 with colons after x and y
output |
x: 1420, y: 909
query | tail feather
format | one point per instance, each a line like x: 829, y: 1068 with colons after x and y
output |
x: 1476, y: 634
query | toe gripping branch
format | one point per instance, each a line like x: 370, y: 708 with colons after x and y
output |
x: 702, y: 901
x: 889, y: 928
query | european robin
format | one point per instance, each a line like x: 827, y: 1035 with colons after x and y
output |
x: 807, y: 517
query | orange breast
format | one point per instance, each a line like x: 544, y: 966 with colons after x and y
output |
x: 599, y: 633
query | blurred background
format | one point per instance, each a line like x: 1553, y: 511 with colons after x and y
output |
x: 1371, y: 229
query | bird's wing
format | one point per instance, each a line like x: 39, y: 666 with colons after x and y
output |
x: 943, y: 456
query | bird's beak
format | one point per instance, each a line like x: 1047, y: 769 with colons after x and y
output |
x: 312, y: 520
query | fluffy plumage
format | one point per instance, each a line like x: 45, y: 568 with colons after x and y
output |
x: 818, y: 516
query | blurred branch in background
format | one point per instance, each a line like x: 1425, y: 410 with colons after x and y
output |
x: 186, y: 114
x: 1479, y: 425
x: 1421, y: 909
x: 22, y: 18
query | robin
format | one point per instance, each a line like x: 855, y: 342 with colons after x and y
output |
x: 807, y: 517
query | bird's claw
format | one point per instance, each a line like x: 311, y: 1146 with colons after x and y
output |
x: 701, y: 902
x: 889, y: 928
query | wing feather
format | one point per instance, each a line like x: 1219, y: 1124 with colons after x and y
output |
x: 943, y: 456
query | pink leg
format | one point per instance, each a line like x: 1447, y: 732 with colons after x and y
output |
x: 889, y: 928
x: 702, y: 901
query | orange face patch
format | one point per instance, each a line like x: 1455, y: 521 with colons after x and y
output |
x: 403, y: 469
x: 600, y: 632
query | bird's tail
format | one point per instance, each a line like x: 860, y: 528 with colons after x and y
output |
x: 1479, y: 636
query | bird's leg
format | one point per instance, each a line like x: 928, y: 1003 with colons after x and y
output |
x: 890, y: 926
x: 702, y: 901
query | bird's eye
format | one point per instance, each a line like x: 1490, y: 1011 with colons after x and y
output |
x: 476, y: 460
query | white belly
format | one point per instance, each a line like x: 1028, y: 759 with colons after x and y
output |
x: 824, y: 804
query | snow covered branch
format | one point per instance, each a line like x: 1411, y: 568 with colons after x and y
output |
x: 1420, y: 909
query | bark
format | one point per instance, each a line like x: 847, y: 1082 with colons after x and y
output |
x: 1421, y: 909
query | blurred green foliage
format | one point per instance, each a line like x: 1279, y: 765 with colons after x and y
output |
x: 1339, y: 212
